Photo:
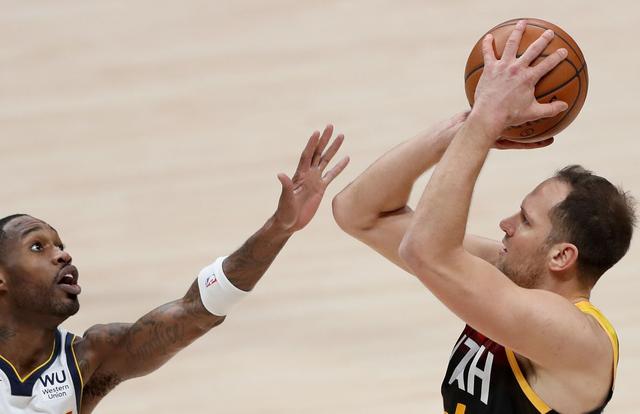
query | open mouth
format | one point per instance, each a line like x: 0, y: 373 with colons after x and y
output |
x: 68, y: 280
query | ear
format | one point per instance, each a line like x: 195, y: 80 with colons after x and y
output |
x: 562, y: 257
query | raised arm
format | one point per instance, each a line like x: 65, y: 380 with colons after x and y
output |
x: 374, y: 209
x: 109, y: 354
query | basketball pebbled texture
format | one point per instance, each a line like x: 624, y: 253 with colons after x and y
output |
x: 567, y: 82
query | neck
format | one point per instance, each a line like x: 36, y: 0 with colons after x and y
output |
x: 25, y: 345
x: 570, y: 289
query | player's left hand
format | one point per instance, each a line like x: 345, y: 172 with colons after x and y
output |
x: 505, y: 144
x: 301, y: 195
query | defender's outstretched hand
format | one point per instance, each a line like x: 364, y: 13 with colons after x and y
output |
x: 302, y: 194
x: 505, y: 92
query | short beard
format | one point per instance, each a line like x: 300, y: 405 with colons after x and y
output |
x: 65, y: 309
x: 526, y: 274
x: 40, y: 300
x: 523, y: 275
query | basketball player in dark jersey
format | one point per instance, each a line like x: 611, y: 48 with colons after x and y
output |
x: 533, y: 342
x: 39, y: 290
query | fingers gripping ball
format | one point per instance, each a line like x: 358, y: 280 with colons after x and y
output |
x: 567, y: 82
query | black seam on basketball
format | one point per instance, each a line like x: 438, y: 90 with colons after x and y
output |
x: 474, y: 70
x: 568, y: 111
x: 517, y: 56
x: 511, y: 23
x: 542, y: 95
x: 482, y: 66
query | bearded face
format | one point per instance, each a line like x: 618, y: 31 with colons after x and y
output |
x: 39, y: 280
x: 524, y: 257
x: 34, y: 295
x: 526, y: 269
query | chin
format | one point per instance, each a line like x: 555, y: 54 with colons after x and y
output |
x: 67, y: 308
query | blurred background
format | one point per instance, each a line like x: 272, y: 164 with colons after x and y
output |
x: 150, y: 133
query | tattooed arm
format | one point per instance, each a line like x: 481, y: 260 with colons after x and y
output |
x: 110, y: 354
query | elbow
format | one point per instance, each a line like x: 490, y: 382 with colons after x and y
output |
x: 421, y: 257
x: 428, y: 262
x: 411, y: 253
x: 344, y: 213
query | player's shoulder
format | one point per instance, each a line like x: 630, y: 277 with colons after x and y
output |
x: 604, y: 333
x: 96, y: 342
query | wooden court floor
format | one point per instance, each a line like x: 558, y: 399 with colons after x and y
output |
x: 150, y: 133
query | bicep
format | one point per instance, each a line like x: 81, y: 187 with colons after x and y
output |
x: 132, y: 350
x: 538, y: 324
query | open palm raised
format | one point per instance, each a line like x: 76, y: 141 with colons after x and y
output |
x: 302, y: 194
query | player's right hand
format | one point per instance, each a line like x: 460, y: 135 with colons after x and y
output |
x: 505, y: 93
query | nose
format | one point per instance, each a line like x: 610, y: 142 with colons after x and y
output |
x: 506, y: 225
x: 62, y: 257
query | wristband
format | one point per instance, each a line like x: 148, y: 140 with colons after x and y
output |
x: 216, y: 291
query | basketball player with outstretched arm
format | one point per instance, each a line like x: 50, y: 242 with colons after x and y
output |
x: 533, y: 342
x: 44, y: 369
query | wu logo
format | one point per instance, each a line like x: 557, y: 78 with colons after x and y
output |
x: 53, y: 378
x: 474, y: 351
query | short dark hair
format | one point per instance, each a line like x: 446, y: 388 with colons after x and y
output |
x: 597, y: 217
x: 3, y: 222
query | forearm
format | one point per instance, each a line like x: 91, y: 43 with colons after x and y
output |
x: 440, y: 219
x: 245, y: 266
x: 386, y: 185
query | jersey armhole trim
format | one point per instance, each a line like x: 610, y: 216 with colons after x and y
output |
x: 75, y: 360
x: 537, y: 402
x: 588, y: 308
x: 74, y: 370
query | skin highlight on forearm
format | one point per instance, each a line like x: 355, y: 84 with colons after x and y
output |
x: 248, y: 264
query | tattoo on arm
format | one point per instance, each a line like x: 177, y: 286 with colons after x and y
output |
x: 125, y: 351
x: 160, y: 334
x: 246, y: 265
x: 100, y: 385
x: 6, y: 333
x: 153, y: 334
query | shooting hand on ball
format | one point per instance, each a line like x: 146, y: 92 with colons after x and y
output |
x: 505, y: 92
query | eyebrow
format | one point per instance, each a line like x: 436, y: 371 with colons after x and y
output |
x: 525, y: 213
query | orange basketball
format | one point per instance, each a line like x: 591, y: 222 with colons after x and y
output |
x: 567, y: 82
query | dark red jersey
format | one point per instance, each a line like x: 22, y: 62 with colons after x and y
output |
x: 484, y: 377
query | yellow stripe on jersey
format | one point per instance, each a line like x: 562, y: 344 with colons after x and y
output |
x: 537, y: 402
x: 35, y: 369
x: 75, y: 360
x: 588, y: 308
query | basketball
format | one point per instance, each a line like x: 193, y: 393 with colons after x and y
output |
x: 567, y: 82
